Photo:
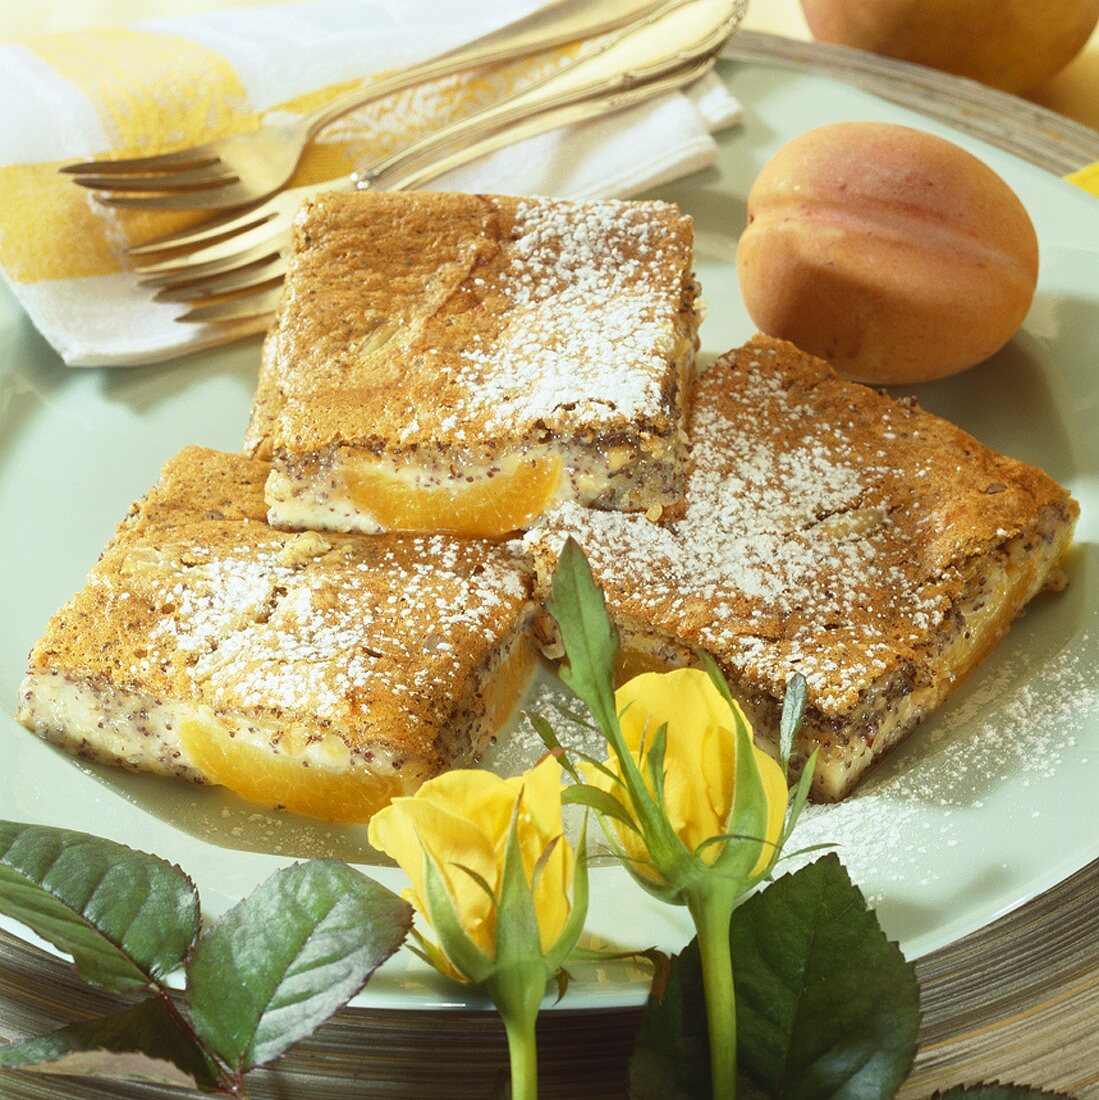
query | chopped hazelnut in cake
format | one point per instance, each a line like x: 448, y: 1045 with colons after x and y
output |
x: 829, y: 530
x: 321, y: 672
x: 460, y: 363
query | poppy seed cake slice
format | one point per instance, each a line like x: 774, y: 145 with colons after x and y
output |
x: 455, y: 362
x: 324, y: 673
x: 829, y: 530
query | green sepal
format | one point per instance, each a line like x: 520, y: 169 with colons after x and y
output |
x: 717, y: 678
x: 807, y: 850
x: 599, y: 767
x: 591, y: 644
x: 723, y: 838
x: 793, y: 711
x: 126, y: 917
x: 801, y: 796
x: 543, y: 859
x: 749, y: 815
x: 479, y: 879
x: 654, y: 762
x: 573, y: 716
x: 602, y: 802
x: 573, y: 928
x: 591, y: 647
x: 517, y: 935
x: 561, y: 979
x: 468, y: 959
x: 553, y: 744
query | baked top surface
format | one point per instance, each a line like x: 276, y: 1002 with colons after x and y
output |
x: 198, y: 599
x: 425, y: 318
x: 828, y: 529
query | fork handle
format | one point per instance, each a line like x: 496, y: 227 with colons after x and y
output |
x: 674, y: 35
x: 557, y: 22
x: 412, y: 176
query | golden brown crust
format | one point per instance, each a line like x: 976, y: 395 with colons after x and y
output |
x: 475, y: 322
x: 828, y: 529
x: 197, y: 599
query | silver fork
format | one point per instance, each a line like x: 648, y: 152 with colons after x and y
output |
x: 244, y: 169
x: 252, y: 290
x: 245, y: 254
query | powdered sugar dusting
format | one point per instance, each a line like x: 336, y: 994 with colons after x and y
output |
x: 787, y: 558
x: 1018, y: 730
x: 323, y: 628
x: 592, y: 331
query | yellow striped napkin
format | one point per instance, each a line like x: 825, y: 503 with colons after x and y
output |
x: 170, y: 83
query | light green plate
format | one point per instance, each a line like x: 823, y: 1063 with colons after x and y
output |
x: 991, y: 802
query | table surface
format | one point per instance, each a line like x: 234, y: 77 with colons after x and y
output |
x: 978, y: 1012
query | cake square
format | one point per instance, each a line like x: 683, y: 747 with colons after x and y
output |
x: 459, y: 363
x: 829, y: 530
x: 323, y: 673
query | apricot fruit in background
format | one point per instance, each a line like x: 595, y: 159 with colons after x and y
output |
x: 894, y: 254
x: 1009, y: 44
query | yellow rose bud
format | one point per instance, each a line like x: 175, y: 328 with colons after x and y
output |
x: 462, y: 821
x: 699, y: 764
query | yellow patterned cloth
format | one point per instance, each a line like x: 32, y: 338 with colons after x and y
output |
x: 1087, y: 178
x: 170, y: 83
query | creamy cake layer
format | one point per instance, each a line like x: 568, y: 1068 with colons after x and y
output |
x: 829, y: 530
x: 440, y: 339
x: 321, y: 672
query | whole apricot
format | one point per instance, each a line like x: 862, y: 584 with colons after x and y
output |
x: 890, y: 252
x: 1009, y: 44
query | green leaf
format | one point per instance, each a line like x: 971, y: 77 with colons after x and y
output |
x: 826, y: 1004
x: 124, y: 916
x: 600, y: 801
x: 281, y: 961
x: 142, y: 1043
x: 996, y: 1091
x: 591, y: 645
x: 793, y: 711
x: 671, y: 1058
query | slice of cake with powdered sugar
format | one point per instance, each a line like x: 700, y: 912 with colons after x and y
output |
x: 829, y: 530
x: 322, y: 673
x: 460, y: 363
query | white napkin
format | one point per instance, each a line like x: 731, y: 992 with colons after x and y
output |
x: 170, y: 83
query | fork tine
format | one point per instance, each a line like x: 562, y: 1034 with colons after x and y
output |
x: 206, y: 198
x: 181, y: 274
x: 236, y: 309
x: 212, y: 228
x: 215, y: 175
x: 194, y: 158
x: 246, y: 291
x: 248, y: 277
x: 249, y: 242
